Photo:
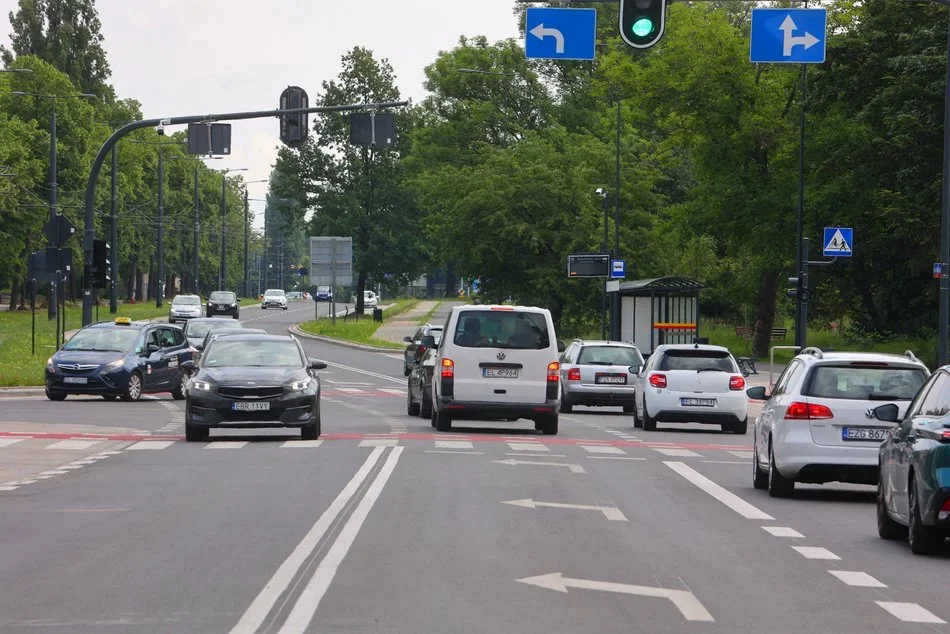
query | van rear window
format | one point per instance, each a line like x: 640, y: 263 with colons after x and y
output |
x: 514, y: 330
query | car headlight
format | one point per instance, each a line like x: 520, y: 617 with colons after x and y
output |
x: 203, y: 386
x: 50, y: 366
x: 302, y: 384
x: 115, y: 365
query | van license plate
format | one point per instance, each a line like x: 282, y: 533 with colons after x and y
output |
x: 251, y: 406
x: 863, y: 433
x: 500, y: 373
x: 77, y: 380
x: 698, y: 402
x: 616, y: 379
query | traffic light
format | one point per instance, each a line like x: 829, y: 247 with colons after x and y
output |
x: 101, y: 264
x: 642, y: 22
x: 793, y: 292
x: 293, y: 128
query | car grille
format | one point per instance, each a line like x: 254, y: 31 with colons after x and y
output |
x: 77, y: 367
x: 250, y: 392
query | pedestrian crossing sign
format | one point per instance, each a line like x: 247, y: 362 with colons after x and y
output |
x: 838, y: 242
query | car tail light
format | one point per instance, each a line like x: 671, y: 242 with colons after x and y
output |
x: 807, y: 411
x: 657, y: 380
x: 946, y: 435
x: 554, y: 370
x: 421, y: 349
x: 736, y: 383
x: 944, y: 511
x: 448, y: 369
x: 574, y: 374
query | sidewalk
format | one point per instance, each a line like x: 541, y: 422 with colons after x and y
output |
x: 405, y: 325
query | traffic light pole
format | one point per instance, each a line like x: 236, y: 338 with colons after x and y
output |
x: 224, y: 230
x: 160, y: 282
x: 114, y: 238
x: 194, y: 243
x: 53, y: 298
x: 246, y: 231
x: 615, y: 297
x: 944, y: 313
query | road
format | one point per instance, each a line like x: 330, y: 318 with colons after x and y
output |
x: 385, y: 526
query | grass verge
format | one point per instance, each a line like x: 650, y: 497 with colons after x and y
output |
x: 361, y: 331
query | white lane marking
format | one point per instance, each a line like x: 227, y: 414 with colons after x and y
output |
x: 910, y: 612
x: 745, y: 455
x: 395, y: 356
x: 226, y: 444
x: 255, y: 614
x: 815, y: 552
x: 54, y: 472
x: 538, y: 455
x: 728, y: 498
x: 150, y: 444
x: 574, y: 468
x: 471, y: 453
x: 379, y: 442
x: 8, y: 488
x: 782, y: 531
x: 302, y: 443
x: 73, y: 445
x: 72, y: 466
x: 603, y: 449
x: 724, y: 462
x: 677, y: 453
x: 392, y: 390
x: 309, y: 600
x: 454, y: 444
x: 367, y: 373
x: 858, y: 579
x: 6, y: 442
x: 614, y: 458
x: 527, y: 446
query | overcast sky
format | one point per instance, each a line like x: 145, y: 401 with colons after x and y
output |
x: 183, y: 57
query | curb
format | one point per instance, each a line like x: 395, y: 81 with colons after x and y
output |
x: 25, y: 390
x: 295, y: 330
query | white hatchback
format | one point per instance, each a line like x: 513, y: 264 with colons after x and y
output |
x: 497, y: 362
x: 691, y: 383
x: 816, y: 425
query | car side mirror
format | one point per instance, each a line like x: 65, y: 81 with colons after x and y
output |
x: 887, y: 413
x: 428, y: 342
x: 187, y: 366
x: 757, y: 393
x: 317, y: 364
x: 634, y: 369
x: 151, y: 349
x: 407, y: 339
x: 561, y: 347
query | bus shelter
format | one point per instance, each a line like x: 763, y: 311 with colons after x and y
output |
x: 658, y: 311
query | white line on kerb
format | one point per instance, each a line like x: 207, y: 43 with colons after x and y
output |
x: 319, y: 583
x: 269, y: 595
x: 725, y: 496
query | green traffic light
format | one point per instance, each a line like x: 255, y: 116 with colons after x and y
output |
x: 642, y: 27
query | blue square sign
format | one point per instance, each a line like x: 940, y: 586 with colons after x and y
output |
x: 838, y: 242
x: 618, y: 269
x: 788, y: 36
x: 560, y: 33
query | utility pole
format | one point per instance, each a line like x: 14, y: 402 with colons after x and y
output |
x: 114, y: 236
x: 615, y: 297
x: 160, y: 282
x: 223, y: 272
x: 801, y: 310
x: 194, y: 240
x: 53, y: 202
x: 247, y: 227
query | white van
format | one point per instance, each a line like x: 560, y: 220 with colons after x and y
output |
x: 497, y: 362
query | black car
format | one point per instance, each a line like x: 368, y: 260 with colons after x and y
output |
x: 196, y: 329
x: 223, y: 303
x: 415, y: 350
x: 246, y: 380
x: 119, y: 359
x: 419, y: 390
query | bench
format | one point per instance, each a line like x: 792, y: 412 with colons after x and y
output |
x: 747, y: 364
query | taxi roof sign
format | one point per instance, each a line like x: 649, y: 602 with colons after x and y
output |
x: 123, y: 321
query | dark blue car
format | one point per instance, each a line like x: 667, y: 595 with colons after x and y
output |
x: 119, y: 359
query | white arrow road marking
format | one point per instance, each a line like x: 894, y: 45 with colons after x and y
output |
x: 610, y: 512
x: 684, y: 600
x: 540, y: 32
x: 789, y: 41
x: 575, y: 468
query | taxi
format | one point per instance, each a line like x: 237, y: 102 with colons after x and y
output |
x: 120, y: 359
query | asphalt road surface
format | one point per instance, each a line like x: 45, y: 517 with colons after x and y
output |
x: 112, y: 523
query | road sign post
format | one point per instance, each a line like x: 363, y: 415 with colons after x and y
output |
x: 331, y: 263
x: 560, y: 33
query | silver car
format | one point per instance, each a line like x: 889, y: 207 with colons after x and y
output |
x: 599, y: 373
x: 184, y: 307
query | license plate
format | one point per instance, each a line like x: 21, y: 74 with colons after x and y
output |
x: 500, y: 373
x: 251, y: 406
x: 863, y: 433
x: 615, y: 379
x: 698, y: 402
x: 76, y: 380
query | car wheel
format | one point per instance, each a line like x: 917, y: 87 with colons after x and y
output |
x: 779, y: 486
x: 425, y: 407
x: 237, y: 315
x: 406, y: 370
x: 740, y: 427
x: 311, y: 431
x: 649, y: 424
x: 443, y: 422
x: 285, y: 308
x: 56, y: 396
x: 109, y: 397
x: 637, y: 423
x: 887, y: 528
x: 566, y: 406
x: 195, y: 433
x: 547, y: 425
x: 133, y: 391
x: 263, y: 307
x: 412, y: 408
x: 179, y: 393
x: 760, y: 479
x: 923, y: 540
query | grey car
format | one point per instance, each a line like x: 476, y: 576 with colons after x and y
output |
x: 599, y: 373
x: 184, y: 307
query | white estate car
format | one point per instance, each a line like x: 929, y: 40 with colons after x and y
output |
x: 816, y: 426
x: 691, y: 383
x: 497, y: 362
x: 274, y: 298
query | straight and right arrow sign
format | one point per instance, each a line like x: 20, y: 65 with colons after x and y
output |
x: 788, y: 36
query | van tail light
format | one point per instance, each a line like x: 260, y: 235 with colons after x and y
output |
x: 944, y: 511
x: 946, y: 435
x: 807, y: 411
x: 448, y: 369
x: 657, y: 380
x: 574, y: 374
x: 420, y: 349
x: 736, y: 383
x: 554, y: 371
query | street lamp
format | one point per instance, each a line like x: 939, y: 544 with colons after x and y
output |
x: 197, y: 221
x: 603, y: 298
x: 247, y: 227
x: 224, y: 223
x: 474, y: 71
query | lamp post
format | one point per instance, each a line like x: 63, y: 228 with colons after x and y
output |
x: 224, y: 224
x: 603, y: 297
x: 247, y: 228
x: 475, y: 71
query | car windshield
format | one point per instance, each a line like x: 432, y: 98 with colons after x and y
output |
x: 222, y: 296
x: 186, y: 300
x: 103, y: 339
x: 323, y: 289
x: 698, y: 360
x: 609, y: 355
x: 502, y: 329
x: 198, y: 329
x: 864, y: 382
x: 225, y: 352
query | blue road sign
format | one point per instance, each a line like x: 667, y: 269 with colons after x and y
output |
x: 790, y: 36
x: 560, y: 33
x: 618, y: 269
x: 938, y: 270
x: 838, y: 242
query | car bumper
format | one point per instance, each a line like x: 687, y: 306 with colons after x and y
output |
x: 324, y: 298
x: 266, y: 304
x: 599, y: 394
x: 666, y: 407
x: 110, y: 383
x: 217, y: 310
x: 212, y: 410
x: 798, y: 457
x: 177, y: 316
x: 481, y: 409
